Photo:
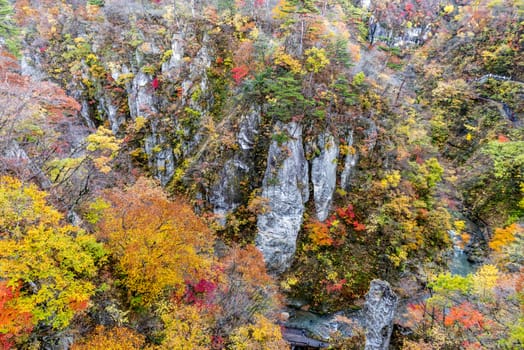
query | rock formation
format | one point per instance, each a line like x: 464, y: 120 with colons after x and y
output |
x: 379, y: 311
x: 286, y: 187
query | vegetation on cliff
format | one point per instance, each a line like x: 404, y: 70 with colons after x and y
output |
x: 137, y: 138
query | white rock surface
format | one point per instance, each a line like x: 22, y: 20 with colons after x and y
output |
x: 379, y: 312
x: 350, y: 161
x: 324, y: 175
x: 285, y: 185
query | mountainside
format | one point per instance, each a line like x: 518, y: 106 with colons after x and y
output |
x: 199, y: 174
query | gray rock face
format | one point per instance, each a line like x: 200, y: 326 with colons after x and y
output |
x: 141, y: 96
x: 285, y: 185
x: 11, y: 152
x: 29, y: 67
x: 248, y: 129
x: 160, y: 156
x: 349, y: 164
x: 201, y: 62
x: 371, y: 133
x: 142, y: 103
x: 226, y: 192
x: 408, y: 37
x: 324, y: 175
x: 325, y: 325
x: 60, y: 341
x: 111, y: 111
x: 379, y: 311
x: 365, y: 4
x: 84, y: 113
x: 197, y: 82
x: 173, y: 66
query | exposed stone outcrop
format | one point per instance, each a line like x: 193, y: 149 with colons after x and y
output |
x: 201, y: 62
x: 159, y: 153
x: 393, y: 35
x: 365, y: 4
x: 12, y: 153
x: 172, y: 67
x: 370, y: 133
x: 29, y: 66
x: 84, y: 111
x: 379, y: 311
x: 107, y: 108
x: 324, y: 175
x: 58, y: 341
x: 141, y: 99
x: 324, y: 326
x: 298, y: 338
x: 349, y: 162
x: 197, y: 84
x: 285, y: 185
x: 175, y: 96
x: 225, y: 194
x: 249, y: 129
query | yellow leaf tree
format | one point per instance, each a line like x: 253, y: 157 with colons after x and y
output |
x: 262, y: 335
x: 186, y: 327
x: 52, y: 261
x: 484, y: 280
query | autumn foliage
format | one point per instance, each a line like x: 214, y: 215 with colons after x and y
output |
x: 238, y: 298
x: 31, y: 119
x: 14, y: 322
x: 158, y: 244
x: 423, y: 99
x: 262, y: 335
x: 246, y: 291
x: 54, y: 262
x: 334, y: 230
x: 464, y: 315
x: 239, y: 73
x: 118, y: 338
x: 504, y: 236
x: 480, y: 310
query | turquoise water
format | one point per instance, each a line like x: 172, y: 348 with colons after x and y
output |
x: 459, y: 264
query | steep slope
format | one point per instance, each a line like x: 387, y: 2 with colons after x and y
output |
x: 344, y: 139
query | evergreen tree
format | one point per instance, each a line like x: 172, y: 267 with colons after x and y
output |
x: 8, y: 29
x: 286, y: 98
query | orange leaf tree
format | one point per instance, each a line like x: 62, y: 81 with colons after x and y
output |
x: 13, y: 322
x: 158, y: 244
x: 118, y: 338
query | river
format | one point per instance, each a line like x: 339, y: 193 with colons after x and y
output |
x: 459, y: 264
x: 321, y: 326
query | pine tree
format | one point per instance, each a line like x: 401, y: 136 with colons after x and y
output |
x: 8, y: 29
